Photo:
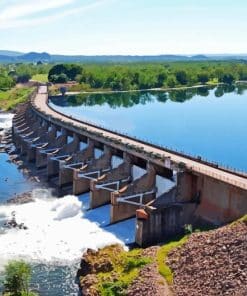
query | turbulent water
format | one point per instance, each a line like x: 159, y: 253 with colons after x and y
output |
x: 58, y: 231
x: 5, y: 120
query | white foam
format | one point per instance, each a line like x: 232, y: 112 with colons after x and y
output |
x: 67, y: 207
x: 6, y: 120
x: 57, y: 231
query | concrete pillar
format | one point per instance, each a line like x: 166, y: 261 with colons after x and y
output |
x: 82, y: 184
x: 66, y: 173
x: 41, y: 156
x: 159, y: 226
x: 101, y: 196
x: 31, y: 153
x: 123, y: 210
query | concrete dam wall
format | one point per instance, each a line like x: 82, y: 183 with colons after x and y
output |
x: 162, y: 189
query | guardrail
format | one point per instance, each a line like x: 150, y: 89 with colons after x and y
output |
x: 198, y: 159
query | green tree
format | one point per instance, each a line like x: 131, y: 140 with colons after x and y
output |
x: 171, y: 82
x: 203, y: 78
x: 17, y: 278
x: 181, y: 77
x: 227, y: 78
x: 161, y: 79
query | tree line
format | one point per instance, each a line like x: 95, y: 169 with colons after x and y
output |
x: 12, y: 74
x: 145, y: 76
x: 128, y: 76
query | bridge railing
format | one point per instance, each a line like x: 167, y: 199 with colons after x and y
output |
x: 221, y: 177
x: 170, y: 150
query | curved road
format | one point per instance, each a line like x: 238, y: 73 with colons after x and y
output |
x: 39, y: 103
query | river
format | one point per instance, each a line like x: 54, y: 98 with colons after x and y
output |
x: 58, y: 230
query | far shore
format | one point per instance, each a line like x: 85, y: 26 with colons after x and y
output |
x: 142, y: 90
x: 148, y: 89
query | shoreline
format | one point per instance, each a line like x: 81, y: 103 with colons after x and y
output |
x: 159, y: 89
x: 142, y: 90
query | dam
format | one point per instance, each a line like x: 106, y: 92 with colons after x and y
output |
x: 163, y: 189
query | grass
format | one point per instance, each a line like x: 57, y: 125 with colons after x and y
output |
x: 40, y: 77
x: 242, y: 219
x: 125, y: 267
x: 11, y: 98
x: 162, y: 255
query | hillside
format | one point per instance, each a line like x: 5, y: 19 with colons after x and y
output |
x: 17, y: 57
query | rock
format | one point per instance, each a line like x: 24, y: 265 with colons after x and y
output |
x: 197, y: 272
x: 21, y: 199
x: 87, y: 284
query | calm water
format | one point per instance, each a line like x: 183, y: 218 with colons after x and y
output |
x: 207, y: 122
x: 12, y: 181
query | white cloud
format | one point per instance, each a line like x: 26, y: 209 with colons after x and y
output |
x: 28, y: 7
x: 23, y: 15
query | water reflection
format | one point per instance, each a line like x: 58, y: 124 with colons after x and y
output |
x: 129, y: 99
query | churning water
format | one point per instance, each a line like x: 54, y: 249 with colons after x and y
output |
x: 57, y: 232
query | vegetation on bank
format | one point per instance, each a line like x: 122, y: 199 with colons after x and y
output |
x: 145, y: 76
x: 12, y: 74
x: 162, y: 255
x: 114, y: 269
x: 40, y: 77
x: 11, y: 98
x: 17, y: 279
x: 128, y: 76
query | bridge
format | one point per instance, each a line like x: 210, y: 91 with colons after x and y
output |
x: 162, y: 188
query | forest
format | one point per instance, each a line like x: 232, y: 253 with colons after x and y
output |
x: 128, y: 76
x: 146, y: 76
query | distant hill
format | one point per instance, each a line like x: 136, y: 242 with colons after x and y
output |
x: 10, y: 53
x: 35, y: 57
x: 32, y: 57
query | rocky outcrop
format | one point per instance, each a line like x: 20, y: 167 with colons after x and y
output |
x: 212, y: 263
x: 112, y: 263
x: 21, y: 199
x: 92, y: 263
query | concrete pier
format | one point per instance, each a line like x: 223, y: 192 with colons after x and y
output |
x: 127, y: 200
x: 75, y: 162
x: 50, y: 148
x: 114, y: 180
x: 53, y: 160
x: 91, y: 171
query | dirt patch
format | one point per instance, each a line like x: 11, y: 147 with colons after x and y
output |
x: 212, y: 263
x: 149, y: 281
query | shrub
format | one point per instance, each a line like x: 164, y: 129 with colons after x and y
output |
x: 17, y: 278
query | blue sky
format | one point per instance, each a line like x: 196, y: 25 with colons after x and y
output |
x: 124, y: 26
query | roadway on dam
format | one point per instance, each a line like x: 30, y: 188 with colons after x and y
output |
x: 40, y: 104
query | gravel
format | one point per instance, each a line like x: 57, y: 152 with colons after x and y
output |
x: 212, y: 263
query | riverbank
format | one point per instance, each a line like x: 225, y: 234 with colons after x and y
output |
x: 56, y: 90
x: 10, y: 99
x: 206, y: 263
